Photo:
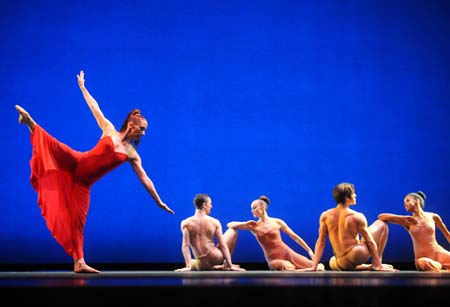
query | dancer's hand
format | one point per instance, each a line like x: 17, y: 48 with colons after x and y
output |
x: 165, y: 207
x: 80, y: 78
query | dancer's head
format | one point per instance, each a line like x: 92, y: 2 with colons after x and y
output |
x: 259, y: 206
x: 344, y: 191
x: 419, y: 196
x: 202, y: 201
x: 137, y: 124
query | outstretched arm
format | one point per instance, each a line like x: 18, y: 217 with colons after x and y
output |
x: 403, y: 220
x: 136, y: 163
x: 102, y: 121
x: 249, y: 225
x: 295, y: 237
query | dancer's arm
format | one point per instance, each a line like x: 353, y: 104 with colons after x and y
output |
x: 249, y: 225
x: 285, y: 228
x: 186, y: 248
x: 321, y: 241
x: 403, y: 220
x: 361, y: 223
x: 104, y: 124
x: 222, y: 245
x: 442, y: 227
x: 136, y: 163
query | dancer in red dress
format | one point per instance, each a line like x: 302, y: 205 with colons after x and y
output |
x: 62, y: 176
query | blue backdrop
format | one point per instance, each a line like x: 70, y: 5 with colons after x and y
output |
x: 243, y: 98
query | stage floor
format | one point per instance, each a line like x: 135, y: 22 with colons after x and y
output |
x: 218, y: 288
x: 47, y: 279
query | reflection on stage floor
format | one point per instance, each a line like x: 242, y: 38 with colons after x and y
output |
x: 218, y: 288
x: 219, y: 278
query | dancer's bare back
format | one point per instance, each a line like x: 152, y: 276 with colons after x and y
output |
x: 201, y: 230
x: 343, y: 226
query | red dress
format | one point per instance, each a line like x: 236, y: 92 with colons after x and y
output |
x: 62, y: 178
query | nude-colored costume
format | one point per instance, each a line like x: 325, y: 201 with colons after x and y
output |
x: 279, y: 255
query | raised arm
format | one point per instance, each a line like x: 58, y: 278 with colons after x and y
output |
x: 102, y: 121
x: 136, y: 163
x: 285, y: 228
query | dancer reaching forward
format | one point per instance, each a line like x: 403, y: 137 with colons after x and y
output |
x: 62, y: 176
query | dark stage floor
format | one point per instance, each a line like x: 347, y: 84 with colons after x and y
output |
x: 216, y: 288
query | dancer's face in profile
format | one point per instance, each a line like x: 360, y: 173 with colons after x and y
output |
x: 138, y: 129
x: 207, y: 205
x: 257, y: 209
x: 410, y: 203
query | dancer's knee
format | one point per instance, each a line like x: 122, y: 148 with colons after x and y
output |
x: 231, y: 232
x: 381, y: 226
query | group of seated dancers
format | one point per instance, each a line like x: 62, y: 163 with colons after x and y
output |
x: 353, y: 241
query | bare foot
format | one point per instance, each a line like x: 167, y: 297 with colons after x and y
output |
x: 305, y: 270
x: 363, y: 267
x: 320, y: 267
x: 234, y: 267
x: 368, y: 267
x: 25, y: 118
x: 219, y: 267
x: 86, y: 269
x: 81, y: 267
